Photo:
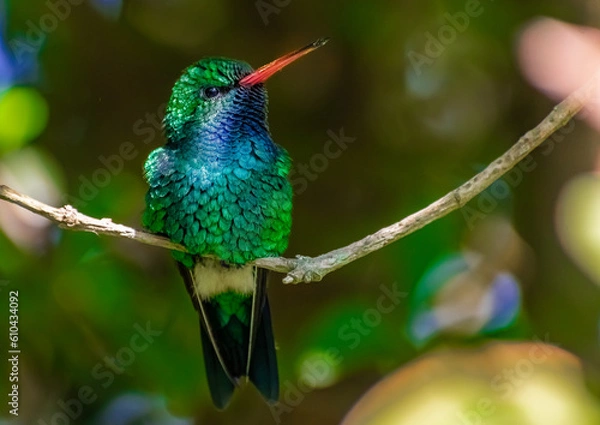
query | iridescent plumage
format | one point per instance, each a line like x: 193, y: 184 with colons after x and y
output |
x: 219, y: 187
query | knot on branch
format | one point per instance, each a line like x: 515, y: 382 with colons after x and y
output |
x: 458, y: 198
x: 69, y: 216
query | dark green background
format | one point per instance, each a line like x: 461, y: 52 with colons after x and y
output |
x: 417, y: 137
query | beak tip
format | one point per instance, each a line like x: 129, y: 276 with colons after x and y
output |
x: 320, y: 42
x: 264, y: 72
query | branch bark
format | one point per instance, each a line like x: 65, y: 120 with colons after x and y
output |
x: 309, y: 269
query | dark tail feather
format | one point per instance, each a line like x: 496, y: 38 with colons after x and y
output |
x: 263, y: 364
x: 237, y: 349
x: 219, y: 383
x: 226, y: 366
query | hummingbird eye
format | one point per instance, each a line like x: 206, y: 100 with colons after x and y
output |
x: 210, y: 92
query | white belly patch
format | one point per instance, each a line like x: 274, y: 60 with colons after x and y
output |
x: 211, y: 278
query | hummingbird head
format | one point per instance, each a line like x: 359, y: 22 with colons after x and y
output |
x: 220, y: 98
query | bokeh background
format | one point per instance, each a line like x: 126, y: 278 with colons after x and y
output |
x: 406, y: 102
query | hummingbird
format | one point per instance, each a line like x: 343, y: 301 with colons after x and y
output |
x: 219, y: 187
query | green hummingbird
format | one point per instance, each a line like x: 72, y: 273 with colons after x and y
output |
x: 220, y: 188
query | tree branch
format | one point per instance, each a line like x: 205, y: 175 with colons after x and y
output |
x: 308, y: 269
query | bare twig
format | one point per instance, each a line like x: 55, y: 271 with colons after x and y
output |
x: 69, y: 218
x: 308, y: 269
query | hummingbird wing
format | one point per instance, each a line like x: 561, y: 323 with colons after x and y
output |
x: 258, y: 301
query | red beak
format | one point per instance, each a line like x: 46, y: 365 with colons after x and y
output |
x: 266, y: 71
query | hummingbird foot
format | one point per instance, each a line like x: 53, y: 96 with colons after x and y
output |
x: 307, y: 269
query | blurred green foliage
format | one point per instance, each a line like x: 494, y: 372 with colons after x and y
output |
x: 81, y: 96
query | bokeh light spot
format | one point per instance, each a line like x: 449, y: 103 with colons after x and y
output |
x: 23, y: 114
x: 578, y: 222
x: 319, y: 369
